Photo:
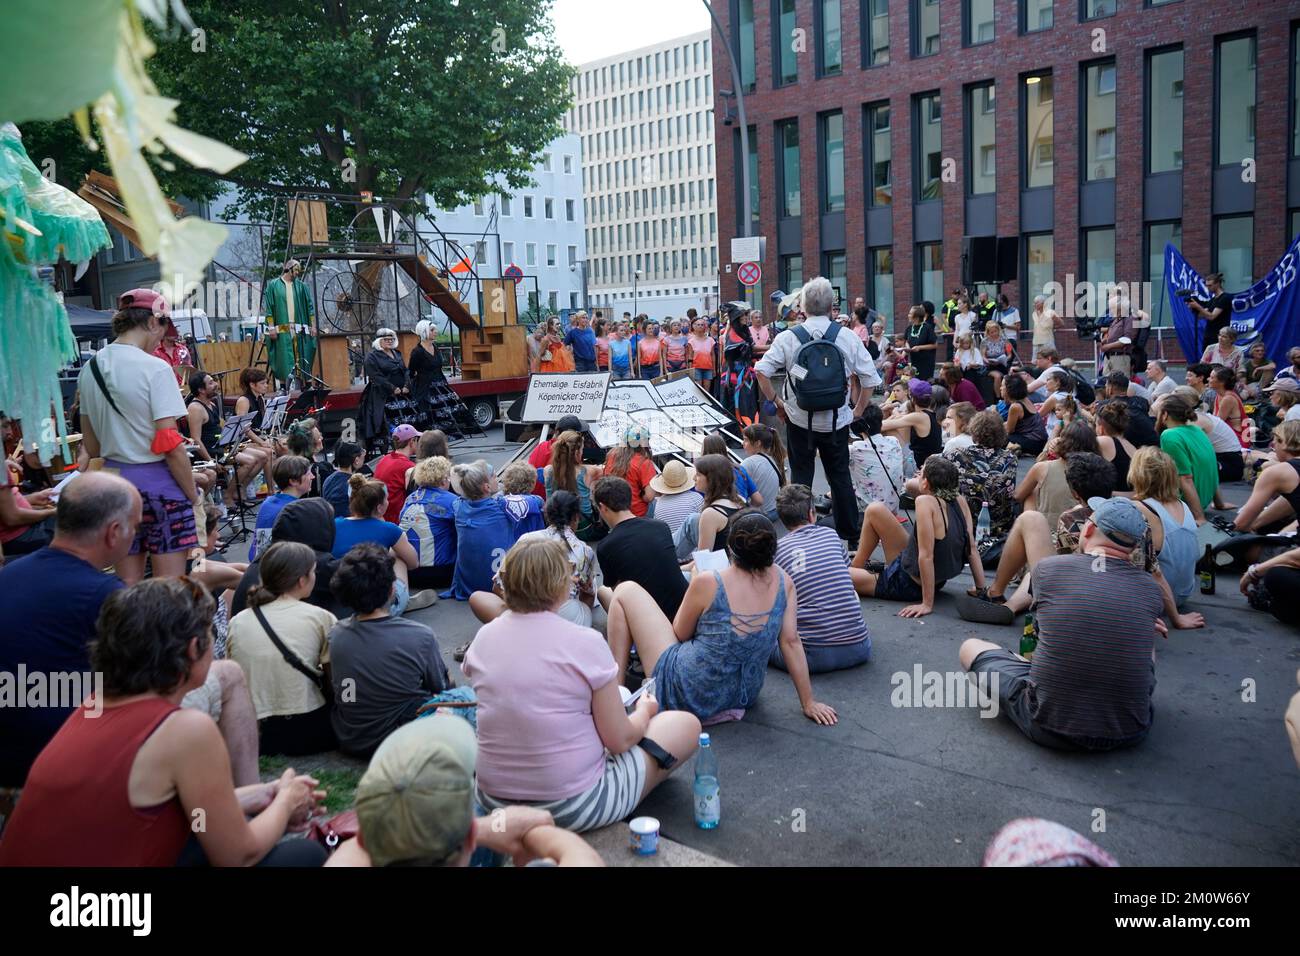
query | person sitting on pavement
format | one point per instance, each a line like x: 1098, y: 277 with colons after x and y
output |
x: 716, y: 444
x: 368, y: 503
x: 1192, y: 452
x: 676, y: 498
x: 393, y: 468
x: 1112, y: 421
x: 986, y: 472
x: 49, y: 603
x: 1225, y: 442
x: 429, y: 521
x: 1091, y: 680
x: 1154, y: 480
x: 131, y: 770
x: 542, y: 454
x: 1045, y: 482
x: 552, y: 726
x: 566, y: 472
x: 562, y: 515
x: 522, y: 508
x: 636, y: 549
x: 765, y: 465
x: 631, y: 461
x: 307, y: 522
x: 1025, y: 428
x: 1274, y: 501
x: 382, y: 667
x: 1140, y: 430
x: 349, y: 457
x: 1269, y: 587
x: 715, y: 480
x: 712, y: 658
x: 293, y: 476
x: 415, y: 807
x: 828, y: 617
x: 918, y: 564
x: 483, y: 531
x: 282, y: 644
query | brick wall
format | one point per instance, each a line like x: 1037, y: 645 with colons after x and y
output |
x: 1128, y: 34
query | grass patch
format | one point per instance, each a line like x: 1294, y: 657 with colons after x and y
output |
x: 340, y: 783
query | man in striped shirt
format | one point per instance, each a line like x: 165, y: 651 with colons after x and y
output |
x: 1090, y: 683
x: 830, y: 622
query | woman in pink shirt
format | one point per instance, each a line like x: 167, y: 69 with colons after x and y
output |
x: 552, y: 727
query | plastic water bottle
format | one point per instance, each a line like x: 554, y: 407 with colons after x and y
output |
x: 708, y: 811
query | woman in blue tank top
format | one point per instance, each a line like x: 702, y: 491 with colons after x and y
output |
x: 713, y: 657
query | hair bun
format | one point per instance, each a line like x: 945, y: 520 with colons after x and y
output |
x: 357, y: 481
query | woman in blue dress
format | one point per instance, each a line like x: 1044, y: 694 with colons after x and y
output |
x: 712, y: 658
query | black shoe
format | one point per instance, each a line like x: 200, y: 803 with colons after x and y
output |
x: 980, y: 611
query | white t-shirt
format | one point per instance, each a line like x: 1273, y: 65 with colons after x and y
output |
x: 957, y: 442
x: 1010, y: 320
x: 781, y: 357
x: 1163, y: 387
x: 964, y: 322
x: 1141, y: 391
x: 1222, y: 437
x: 145, y: 390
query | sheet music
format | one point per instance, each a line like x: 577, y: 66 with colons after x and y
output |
x: 233, y: 430
x: 275, y: 411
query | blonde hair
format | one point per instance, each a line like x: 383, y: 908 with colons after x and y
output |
x: 432, y: 472
x: 1284, y: 399
x: 1287, y: 435
x: 535, y: 575
x: 992, y: 325
x: 518, y: 478
x: 1153, y: 474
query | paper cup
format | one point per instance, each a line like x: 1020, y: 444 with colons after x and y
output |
x: 645, y: 836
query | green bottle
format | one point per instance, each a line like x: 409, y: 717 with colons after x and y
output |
x: 1029, y: 637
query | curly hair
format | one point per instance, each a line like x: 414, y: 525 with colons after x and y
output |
x: 941, y: 475
x: 143, y: 636
x: 364, y: 578
x: 987, y: 429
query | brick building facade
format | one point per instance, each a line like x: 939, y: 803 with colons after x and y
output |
x: 1206, y: 196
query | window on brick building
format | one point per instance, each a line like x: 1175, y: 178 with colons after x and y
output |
x: 929, y: 147
x: 1039, y: 266
x: 929, y: 271
x: 981, y: 145
x: 880, y: 265
x: 791, y: 272
x: 1099, y: 121
x: 876, y: 27
x: 1099, y: 258
x: 745, y: 42
x: 835, y: 268
x: 1235, y: 74
x: 977, y: 21
x: 832, y: 160
x: 1158, y: 235
x: 1234, y: 251
x: 1096, y: 9
x: 786, y: 68
x: 830, y: 55
x: 787, y: 139
x: 1164, y: 111
x: 1036, y: 127
x: 925, y: 27
x: 1035, y: 15
x: 879, y: 155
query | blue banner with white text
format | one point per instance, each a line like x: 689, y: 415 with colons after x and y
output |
x: 1269, y: 311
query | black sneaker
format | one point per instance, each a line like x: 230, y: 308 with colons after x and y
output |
x: 980, y: 611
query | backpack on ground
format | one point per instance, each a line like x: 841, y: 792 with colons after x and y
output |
x: 818, y: 377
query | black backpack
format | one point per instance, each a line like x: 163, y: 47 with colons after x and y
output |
x: 1083, y: 390
x: 824, y: 384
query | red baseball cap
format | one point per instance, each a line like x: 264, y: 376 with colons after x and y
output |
x: 144, y: 299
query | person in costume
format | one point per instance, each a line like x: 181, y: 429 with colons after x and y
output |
x: 388, y: 388
x: 290, y: 324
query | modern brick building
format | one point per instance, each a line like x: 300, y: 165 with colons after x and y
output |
x: 1092, y: 130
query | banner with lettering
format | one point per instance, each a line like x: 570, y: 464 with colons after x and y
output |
x: 1269, y: 311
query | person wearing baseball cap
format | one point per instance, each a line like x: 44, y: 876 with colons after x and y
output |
x: 676, y: 498
x: 915, y: 425
x: 393, y: 467
x: 1284, y: 395
x: 415, y: 807
x: 632, y: 462
x: 130, y: 407
x: 1090, y: 683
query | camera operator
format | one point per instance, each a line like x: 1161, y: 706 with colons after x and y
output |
x: 1216, y: 310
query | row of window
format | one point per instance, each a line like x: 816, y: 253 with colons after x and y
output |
x: 643, y: 69
x: 638, y: 235
x: 648, y: 201
x: 789, y: 32
x: 651, y: 136
x: 668, y: 164
x: 621, y: 299
x: 552, y: 300
x: 649, y: 266
x: 1233, y: 141
x: 507, y: 206
x: 530, y: 254
x: 684, y: 94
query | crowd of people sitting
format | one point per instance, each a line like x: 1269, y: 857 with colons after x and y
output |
x: 709, y: 575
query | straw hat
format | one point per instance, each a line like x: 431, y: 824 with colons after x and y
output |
x: 676, y: 477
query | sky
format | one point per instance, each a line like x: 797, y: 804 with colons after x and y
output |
x: 589, y: 30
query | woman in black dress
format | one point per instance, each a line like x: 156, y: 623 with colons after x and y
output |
x: 388, y: 389
x: 426, y: 371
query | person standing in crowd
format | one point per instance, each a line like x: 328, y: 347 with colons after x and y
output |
x: 1008, y: 317
x: 1045, y: 321
x: 675, y: 348
x: 429, y: 521
x: 701, y: 346
x: 823, y: 434
x: 130, y: 407
x: 649, y: 352
x: 582, y: 340
x: 393, y: 467
x: 600, y: 330
x: 383, y: 667
x: 1216, y: 311
x: 620, y: 352
x: 349, y: 457
x: 425, y: 365
x: 128, y: 773
x: 1192, y: 452
x: 920, y: 342
x: 277, y: 640
x: 636, y: 549
x: 631, y: 461
x: 828, y: 616
x: 293, y: 475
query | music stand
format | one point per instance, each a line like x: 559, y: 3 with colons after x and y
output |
x: 276, y: 409
x: 232, y: 432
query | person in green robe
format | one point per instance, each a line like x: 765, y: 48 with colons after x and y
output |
x: 290, y: 323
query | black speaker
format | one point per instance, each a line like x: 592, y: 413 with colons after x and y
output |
x: 1008, y: 259
x: 979, y: 259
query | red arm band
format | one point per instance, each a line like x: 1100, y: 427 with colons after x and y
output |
x: 164, y: 440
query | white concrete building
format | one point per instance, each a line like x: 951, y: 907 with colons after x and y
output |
x: 645, y: 119
x: 539, y: 229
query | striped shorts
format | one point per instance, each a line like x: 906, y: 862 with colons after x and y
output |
x: 613, y: 797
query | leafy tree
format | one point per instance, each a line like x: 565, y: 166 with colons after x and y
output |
x: 396, y: 97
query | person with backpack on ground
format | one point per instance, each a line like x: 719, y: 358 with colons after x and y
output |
x: 817, y: 357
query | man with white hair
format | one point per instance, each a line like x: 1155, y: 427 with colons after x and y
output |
x: 1161, y: 383
x: 1044, y: 321
x: 819, y: 431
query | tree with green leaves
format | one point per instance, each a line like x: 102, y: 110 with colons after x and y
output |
x: 394, y: 97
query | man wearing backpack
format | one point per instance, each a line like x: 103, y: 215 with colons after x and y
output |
x: 817, y: 359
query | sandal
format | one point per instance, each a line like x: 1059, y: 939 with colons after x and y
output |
x: 983, y: 595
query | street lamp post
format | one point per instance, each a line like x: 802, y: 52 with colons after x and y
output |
x: 746, y: 220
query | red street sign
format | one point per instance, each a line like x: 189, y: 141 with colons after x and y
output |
x: 749, y: 273
x: 514, y: 272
